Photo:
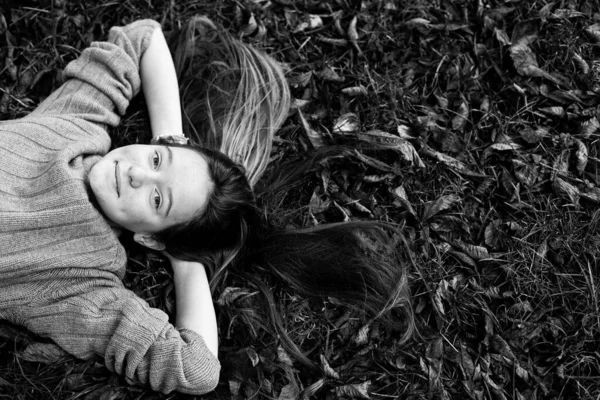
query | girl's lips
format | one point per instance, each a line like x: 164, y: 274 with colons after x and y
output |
x: 117, y: 180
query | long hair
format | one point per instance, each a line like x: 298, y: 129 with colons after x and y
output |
x: 234, y: 97
x: 215, y: 236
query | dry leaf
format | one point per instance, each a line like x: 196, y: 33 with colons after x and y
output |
x: 592, y: 194
x: 253, y: 356
x: 106, y: 393
x: 526, y: 173
x: 354, y: 391
x: 581, y: 65
x: 475, y: 252
x: 589, y: 127
x: 300, y: 80
x: 593, y: 32
x: 355, y: 91
x: 526, y: 64
x: 581, y: 156
x: 553, y: 111
x: 417, y: 22
x: 332, y: 41
x: 317, y: 205
x: 329, y: 75
x: 534, y: 136
x: 492, y: 233
x: 373, y: 162
x: 291, y: 391
x: 404, y: 132
x: 433, y: 208
x: 566, y: 190
x: 346, y: 124
x: 284, y: 357
x: 250, y: 26
x: 329, y: 372
x: 45, y: 353
x: 309, y: 22
x: 402, y: 198
x: 461, y: 118
x: 449, y: 161
x: 316, y: 138
x: 353, y: 35
x: 502, y: 36
x: 230, y: 294
x: 362, y: 337
x: 464, y: 258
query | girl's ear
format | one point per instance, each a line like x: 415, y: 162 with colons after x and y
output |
x: 149, y: 241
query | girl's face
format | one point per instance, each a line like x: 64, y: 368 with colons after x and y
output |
x: 147, y: 188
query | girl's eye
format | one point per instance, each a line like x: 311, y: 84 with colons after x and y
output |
x: 156, y: 199
x: 156, y: 160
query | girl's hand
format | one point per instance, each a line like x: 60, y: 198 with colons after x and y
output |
x: 195, y: 310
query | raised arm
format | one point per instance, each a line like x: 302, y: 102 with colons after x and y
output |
x: 195, y: 310
x: 160, y: 87
x: 101, y: 82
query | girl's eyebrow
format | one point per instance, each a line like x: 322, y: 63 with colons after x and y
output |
x: 169, y: 191
x: 170, y: 196
x: 170, y: 155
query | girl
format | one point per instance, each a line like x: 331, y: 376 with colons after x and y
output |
x: 63, y: 195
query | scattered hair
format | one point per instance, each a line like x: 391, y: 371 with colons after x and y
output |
x: 234, y: 97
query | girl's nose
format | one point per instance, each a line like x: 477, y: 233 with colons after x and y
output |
x: 137, y: 176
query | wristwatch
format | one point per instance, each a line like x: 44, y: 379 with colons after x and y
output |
x: 170, y: 139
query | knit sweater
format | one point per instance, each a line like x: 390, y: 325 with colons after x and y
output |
x: 61, y: 265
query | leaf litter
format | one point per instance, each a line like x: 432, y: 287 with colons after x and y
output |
x: 472, y: 126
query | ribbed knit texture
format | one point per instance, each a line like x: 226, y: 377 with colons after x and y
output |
x: 60, y: 263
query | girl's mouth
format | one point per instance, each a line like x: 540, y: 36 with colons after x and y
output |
x: 117, y: 181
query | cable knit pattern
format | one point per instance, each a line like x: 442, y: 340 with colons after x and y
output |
x: 60, y: 263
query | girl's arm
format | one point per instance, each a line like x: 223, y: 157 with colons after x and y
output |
x: 195, y: 310
x: 160, y: 87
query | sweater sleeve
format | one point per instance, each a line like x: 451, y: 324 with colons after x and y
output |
x: 101, y: 82
x: 136, y: 340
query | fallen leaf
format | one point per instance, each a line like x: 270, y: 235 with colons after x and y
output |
x: 45, y: 353
x: 253, y: 356
x: 353, y: 34
x: 566, y: 190
x: 308, y: 22
x: 355, y: 91
x: 355, y: 391
x: 329, y: 372
x: 581, y: 156
x: 526, y: 64
x: 534, y: 136
x: 589, y: 127
x: 400, y: 194
x: 555, y: 111
x: 346, y: 124
x: 593, y: 32
x: 230, y: 294
x: 433, y: 208
x: 450, y: 162
x: 315, y: 138
x: 106, y: 393
x: 581, y: 65
x: 475, y: 252
x: 362, y: 337
x: 461, y: 118
x: 291, y: 391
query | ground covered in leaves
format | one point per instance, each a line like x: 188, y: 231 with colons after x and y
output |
x: 485, y: 119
